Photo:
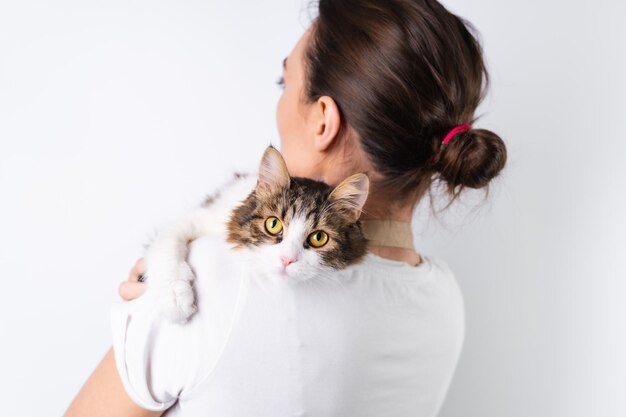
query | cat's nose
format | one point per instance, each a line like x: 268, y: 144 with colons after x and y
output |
x: 286, y: 260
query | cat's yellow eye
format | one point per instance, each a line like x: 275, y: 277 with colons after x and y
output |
x: 273, y: 225
x: 318, y: 239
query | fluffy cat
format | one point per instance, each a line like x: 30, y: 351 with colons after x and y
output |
x: 290, y: 227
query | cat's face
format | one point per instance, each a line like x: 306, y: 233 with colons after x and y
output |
x: 298, y: 228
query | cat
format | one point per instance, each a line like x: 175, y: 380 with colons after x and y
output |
x: 292, y: 227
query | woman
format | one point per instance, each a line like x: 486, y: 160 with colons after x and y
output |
x: 389, y: 88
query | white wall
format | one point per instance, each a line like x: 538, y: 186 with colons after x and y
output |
x: 541, y: 266
x: 116, y: 117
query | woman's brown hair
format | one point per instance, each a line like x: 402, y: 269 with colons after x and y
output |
x: 403, y: 74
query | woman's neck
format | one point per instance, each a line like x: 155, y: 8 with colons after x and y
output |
x: 377, y: 206
x: 375, y: 210
x: 410, y: 256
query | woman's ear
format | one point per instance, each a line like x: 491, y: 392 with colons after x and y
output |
x: 328, y: 121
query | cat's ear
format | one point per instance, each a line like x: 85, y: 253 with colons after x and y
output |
x: 352, y: 192
x: 273, y: 174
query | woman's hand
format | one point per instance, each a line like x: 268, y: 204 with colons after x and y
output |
x: 132, y: 287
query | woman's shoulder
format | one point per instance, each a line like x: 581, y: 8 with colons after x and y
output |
x: 429, y: 293
x: 430, y: 268
x: 420, y: 307
x: 430, y: 286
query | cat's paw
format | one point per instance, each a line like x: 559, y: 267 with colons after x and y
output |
x: 176, y: 300
x: 170, y: 281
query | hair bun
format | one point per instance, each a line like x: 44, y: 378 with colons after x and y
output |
x: 471, y: 159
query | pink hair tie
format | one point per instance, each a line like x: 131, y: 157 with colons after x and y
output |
x: 458, y: 129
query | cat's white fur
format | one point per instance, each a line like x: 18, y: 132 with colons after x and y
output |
x: 169, y: 276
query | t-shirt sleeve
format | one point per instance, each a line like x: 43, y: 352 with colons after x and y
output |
x: 153, y: 359
x: 158, y: 360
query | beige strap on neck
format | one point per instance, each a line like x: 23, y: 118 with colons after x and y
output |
x: 388, y: 233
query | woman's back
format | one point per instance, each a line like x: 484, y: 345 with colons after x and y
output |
x: 389, y: 88
x: 380, y: 338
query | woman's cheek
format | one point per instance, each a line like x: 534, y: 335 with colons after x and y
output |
x: 280, y: 116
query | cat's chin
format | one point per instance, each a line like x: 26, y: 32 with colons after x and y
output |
x: 298, y: 275
x: 293, y: 274
x: 276, y: 277
x: 289, y: 276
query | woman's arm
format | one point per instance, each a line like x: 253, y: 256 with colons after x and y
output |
x: 103, y: 395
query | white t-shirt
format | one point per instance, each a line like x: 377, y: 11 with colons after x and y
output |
x: 382, y: 339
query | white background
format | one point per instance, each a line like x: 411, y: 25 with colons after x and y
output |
x: 118, y: 116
